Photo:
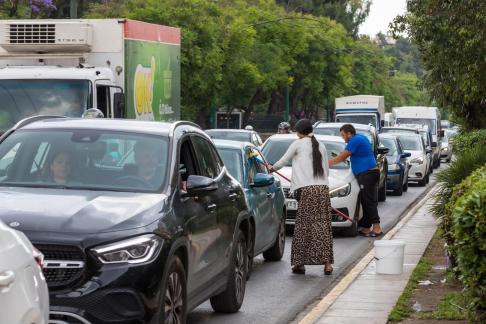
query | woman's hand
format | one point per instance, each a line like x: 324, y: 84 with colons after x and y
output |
x: 270, y: 168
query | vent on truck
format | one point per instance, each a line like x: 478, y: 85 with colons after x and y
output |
x: 31, y: 34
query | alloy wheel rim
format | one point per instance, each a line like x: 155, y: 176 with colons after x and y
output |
x: 240, y: 271
x: 174, y: 301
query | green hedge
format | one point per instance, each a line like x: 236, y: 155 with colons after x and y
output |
x: 469, y: 139
x: 469, y: 234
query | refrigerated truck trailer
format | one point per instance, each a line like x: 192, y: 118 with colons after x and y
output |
x: 360, y: 109
x: 125, y: 68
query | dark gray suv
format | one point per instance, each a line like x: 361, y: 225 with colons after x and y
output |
x: 138, y: 221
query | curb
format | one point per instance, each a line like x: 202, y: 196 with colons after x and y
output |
x: 317, y: 311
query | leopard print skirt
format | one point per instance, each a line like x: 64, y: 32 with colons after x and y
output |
x: 312, y: 243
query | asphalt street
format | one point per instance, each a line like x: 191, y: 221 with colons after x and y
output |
x: 275, y: 295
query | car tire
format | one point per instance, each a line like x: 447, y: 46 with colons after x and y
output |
x: 427, y: 178
x: 174, y: 301
x: 423, y: 182
x: 276, y: 252
x: 230, y: 300
x: 382, y: 192
x: 251, y: 250
x: 399, y: 191
x: 352, y: 230
x: 405, y: 186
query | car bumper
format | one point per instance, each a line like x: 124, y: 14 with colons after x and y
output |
x: 417, y: 172
x: 345, y: 205
x: 393, y: 179
x: 445, y: 154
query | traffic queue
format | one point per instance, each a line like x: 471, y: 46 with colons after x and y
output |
x: 135, y: 221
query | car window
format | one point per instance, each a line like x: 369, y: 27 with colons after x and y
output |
x: 232, y: 161
x: 7, y: 158
x: 412, y: 143
x: 207, y: 158
x: 390, y: 144
x: 230, y: 135
x: 334, y: 131
x: 76, y: 159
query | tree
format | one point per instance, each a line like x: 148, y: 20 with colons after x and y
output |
x: 452, y: 44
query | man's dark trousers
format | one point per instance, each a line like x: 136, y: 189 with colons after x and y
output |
x: 368, y: 182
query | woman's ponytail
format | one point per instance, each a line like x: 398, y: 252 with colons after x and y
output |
x: 304, y: 127
x: 316, y: 158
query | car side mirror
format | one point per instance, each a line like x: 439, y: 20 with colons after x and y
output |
x: 434, y: 144
x: 263, y: 180
x: 428, y: 151
x: 442, y: 133
x: 119, y: 105
x: 406, y: 155
x: 383, y: 150
x: 382, y: 123
x: 198, y: 185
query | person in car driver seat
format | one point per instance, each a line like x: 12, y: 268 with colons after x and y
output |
x: 146, y: 159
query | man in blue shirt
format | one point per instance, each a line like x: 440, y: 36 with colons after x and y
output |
x: 364, y: 166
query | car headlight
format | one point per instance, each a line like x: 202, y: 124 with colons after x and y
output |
x: 341, y: 191
x: 418, y: 160
x: 445, y: 149
x: 138, y: 249
x: 394, y: 167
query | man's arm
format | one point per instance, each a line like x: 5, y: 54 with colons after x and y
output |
x: 340, y: 158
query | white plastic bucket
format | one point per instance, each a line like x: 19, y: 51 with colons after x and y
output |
x: 389, y: 256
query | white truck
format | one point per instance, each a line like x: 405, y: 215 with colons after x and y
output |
x: 418, y: 115
x: 361, y: 109
x: 125, y: 68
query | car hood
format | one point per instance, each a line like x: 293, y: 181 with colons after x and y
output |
x: 77, y: 211
x: 337, y: 177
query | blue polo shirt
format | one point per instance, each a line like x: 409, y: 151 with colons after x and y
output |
x: 362, y: 157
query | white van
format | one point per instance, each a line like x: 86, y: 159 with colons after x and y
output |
x: 429, y: 116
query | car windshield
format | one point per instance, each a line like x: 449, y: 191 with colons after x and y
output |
x: 397, y: 130
x: 24, y: 98
x: 274, y: 149
x: 334, y: 131
x: 357, y: 119
x: 425, y: 136
x: 230, y: 136
x: 84, y: 159
x: 411, y: 143
x: 232, y: 161
x: 390, y: 144
x: 418, y: 121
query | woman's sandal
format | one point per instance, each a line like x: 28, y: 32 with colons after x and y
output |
x: 373, y: 234
x: 298, y: 270
x: 328, y: 272
x: 365, y: 234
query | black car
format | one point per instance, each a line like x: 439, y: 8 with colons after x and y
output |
x: 138, y: 221
x: 323, y: 128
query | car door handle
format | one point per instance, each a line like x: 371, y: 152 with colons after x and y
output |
x: 6, y: 278
x: 211, y: 207
x: 232, y: 196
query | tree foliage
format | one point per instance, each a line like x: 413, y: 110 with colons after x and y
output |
x: 451, y: 40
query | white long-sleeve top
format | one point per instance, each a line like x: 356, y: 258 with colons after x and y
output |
x: 300, y: 153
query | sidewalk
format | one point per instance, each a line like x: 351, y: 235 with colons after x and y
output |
x: 370, y: 297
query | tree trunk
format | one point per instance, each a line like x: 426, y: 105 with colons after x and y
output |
x: 249, y: 109
x: 13, y: 8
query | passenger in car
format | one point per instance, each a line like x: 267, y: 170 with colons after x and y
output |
x: 146, y: 159
x: 58, y: 169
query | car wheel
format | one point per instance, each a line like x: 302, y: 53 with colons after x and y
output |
x: 174, y: 306
x: 352, y: 230
x: 276, y: 252
x: 423, y: 182
x: 251, y: 249
x: 427, y: 178
x: 382, y: 192
x: 230, y: 300
x: 399, y: 191
x: 405, y: 186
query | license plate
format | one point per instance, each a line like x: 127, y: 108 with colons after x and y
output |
x: 292, y: 204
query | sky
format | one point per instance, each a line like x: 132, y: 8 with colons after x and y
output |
x: 382, y: 12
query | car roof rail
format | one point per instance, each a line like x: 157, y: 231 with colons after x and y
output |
x: 183, y: 123
x: 30, y: 120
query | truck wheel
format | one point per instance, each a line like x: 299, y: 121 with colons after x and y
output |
x: 382, y: 192
x: 174, y: 300
x: 276, y: 252
x: 230, y: 300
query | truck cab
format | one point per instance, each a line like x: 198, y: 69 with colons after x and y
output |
x: 54, y: 90
x: 360, y: 109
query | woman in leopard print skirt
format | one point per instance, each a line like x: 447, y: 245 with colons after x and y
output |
x: 312, y: 243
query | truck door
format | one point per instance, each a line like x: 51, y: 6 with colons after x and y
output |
x: 107, y: 97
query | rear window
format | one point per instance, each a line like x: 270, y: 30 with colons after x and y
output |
x: 412, y: 143
x: 230, y: 136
